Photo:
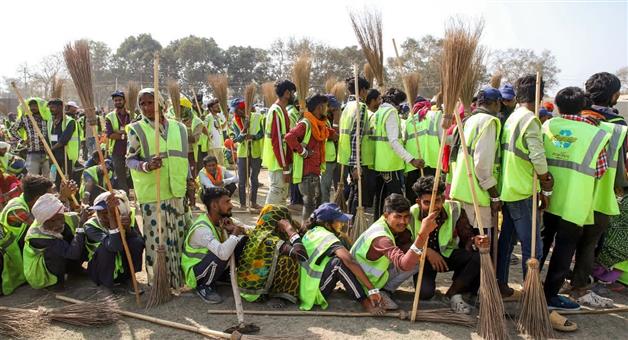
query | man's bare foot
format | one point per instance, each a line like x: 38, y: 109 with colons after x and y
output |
x: 368, y: 306
x: 276, y: 303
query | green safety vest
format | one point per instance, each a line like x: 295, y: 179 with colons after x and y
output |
x: 474, y: 127
x: 42, y: 104
x: 330, y: 148
x: 429, y: 142
x: 12, y: 271
x: 72, y: 148
x: 112, y: 117
x: 195, y: 123
x: 446, y: 241
x: 268, y: 156
x: 517, y: 185
x: 297, y: 160
x: 255, y: 125
x: 316, y: 242
x: 376, y: 271
x: 572, y: 149
x: 367, y: 147
x: 175, y: 165
x: 293, y: 114
x: 413, y: 131
x: 92, y: 171
x: 386, y: 159
x: 192, y: 256
x: 605, y: 200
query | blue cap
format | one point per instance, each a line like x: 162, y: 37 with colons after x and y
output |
x: 117, y: 93
x: 329, y: 212
x: 489, y: 94
x: 544, y: 112
x: 332, y: 102
x: 508, y: 93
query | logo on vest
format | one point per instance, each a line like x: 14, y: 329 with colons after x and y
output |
x: 564, y: 139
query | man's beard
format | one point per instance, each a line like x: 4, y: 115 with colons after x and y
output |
x: 226, y: 214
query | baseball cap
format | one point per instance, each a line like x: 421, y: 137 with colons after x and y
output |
x: 72, y: 104
x: 329, y: 212
x: 489, y: 94
x: 117, y: 93
x: 507, y: 92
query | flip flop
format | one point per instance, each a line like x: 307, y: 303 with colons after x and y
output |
x: 561, y: 324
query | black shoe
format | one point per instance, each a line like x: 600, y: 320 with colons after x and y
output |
x: 208, y: 295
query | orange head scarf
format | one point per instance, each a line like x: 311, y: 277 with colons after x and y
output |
x: 319, y: 130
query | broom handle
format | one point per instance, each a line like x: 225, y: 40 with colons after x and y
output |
x: 417, y: 290
x: 234, y: 285
x: 157, y: 151
x: 400, y: 315
x: 416, y: 130
x: 466, y: 158
x: 195, y: 329
x: 118, y: 221
x: 534, y: 176
x: 358, y: 135
x: 29, y: 114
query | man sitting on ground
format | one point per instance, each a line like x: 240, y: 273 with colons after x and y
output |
x: 216, y: 176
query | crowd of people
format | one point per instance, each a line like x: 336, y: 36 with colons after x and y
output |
x: 576, y: 146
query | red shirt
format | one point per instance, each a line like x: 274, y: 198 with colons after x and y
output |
x: 284, y: 157
x: 311, y: 164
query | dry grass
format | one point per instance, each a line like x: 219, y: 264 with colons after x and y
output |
x: 175, y: 97
x: 340, y: 91
x: 220, y: 85
x: 301, y: 76
x: 471, y: 83
x: 367, y: 26
x: 78, y: 61
x: 411, y: 83
x: 24, y: 323
x: 268, y: 91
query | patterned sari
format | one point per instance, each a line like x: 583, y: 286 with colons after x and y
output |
x: 262, y: 270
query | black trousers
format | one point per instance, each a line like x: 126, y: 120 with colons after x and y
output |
x: 411, y: 178
x: 585, y: 250
x: 466, y: 278
x: 295, y: 194
x: 565, y: 237
x: 211, y: 268
x: 386, y: 183
x: 368, y: 178
x: 100, y: 269
x: 337, y: 271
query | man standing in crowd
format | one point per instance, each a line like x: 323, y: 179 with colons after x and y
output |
x: 327, y: 178
x: 36, y: 158
x: 115, y: 125
x: 64, y: 139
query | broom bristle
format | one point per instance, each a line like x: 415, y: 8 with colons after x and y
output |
x: 101, y: 312
x: 339, y: 195
x: 220, y: 85
x: 21, y: 324
x: 249, y: 97
x: 268, y: 91
x: 411, y: 85
x: 301, y: 77
x: 160, y: 291
x: 57, y: 88
x: 534, y: 318
x: 368, y: 73
x: 496, y: 79
x: 367, y: 26
x: 471, y: 82
x: 459, y: 44
x: 78, y: 61
x: 133, y: 89
x: 175, y: 97
x: 360, y: 224
x: 491, y: 325
x: 329, y: 84
x: 340, y: 91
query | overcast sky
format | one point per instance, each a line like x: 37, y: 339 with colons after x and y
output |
x: 585, y: 36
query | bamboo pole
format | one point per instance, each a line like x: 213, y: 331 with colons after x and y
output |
x: 29, y: 114
x: 157, y: 151
x: 410, y: 100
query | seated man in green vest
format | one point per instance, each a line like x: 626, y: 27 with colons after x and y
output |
x: 93, y: 182
x: 50, y: 244
x: 449, y: 247
x: 206, y: 249
x: 329, y: 262
x: 388, y: 251
x: 108, y: 264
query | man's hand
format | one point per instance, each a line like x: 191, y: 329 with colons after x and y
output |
x: 418, y: 163
x: 436, y: 260
x: 287, y: 177
x: 112, y: 202
x: 306, y: 153
x: 154, y: 164
x: 547, y: 181
x: 285, y: 226
x: 428, y: 224
x: 496, y: 207
x: 91, y: 120
x: 67, y: 189
x: 545, y: 201
x: 482, y: 241
x: 249, y: 137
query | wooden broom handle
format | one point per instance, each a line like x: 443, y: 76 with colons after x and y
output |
x: 29, y: 114
x: 358, y: 142
x: 417, y: 290
x: 234, y: 285
x: 410, y: 100
x: 199, y: 330
x: 157, y: 151
x: 537, y: 100
x: 118, y: 221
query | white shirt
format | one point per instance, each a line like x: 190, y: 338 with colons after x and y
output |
x: 216, y: 131
x: 228, y: 177
x: 392, y: 131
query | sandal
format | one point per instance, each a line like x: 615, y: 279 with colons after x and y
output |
x: 458, y: 305
x: 561, y: 324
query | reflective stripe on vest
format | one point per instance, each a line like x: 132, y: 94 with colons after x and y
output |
x: 268, y: 155
x: 376, y: 270
x: 297, y: 159
x: 317, y: 242
x: 14, y: 204
x: 386, y: 159
x: 347, y: 123
x: 72, y: 147
x: 192, y: 256
x: 255, y: 125
x: 605, y: 200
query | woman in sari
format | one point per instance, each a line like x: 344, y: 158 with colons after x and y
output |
x: 269, y: 266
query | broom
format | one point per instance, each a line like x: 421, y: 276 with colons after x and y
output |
x: 20, y: 323
x: 57, y: 87
x: 220, y: 85
x: 268, y: 92
x: 249, y: 97
x: 329, y: 83
x: 175, y: 98
x: 471, y: 81
x: 339, y: 195
x: 411, y: 85
x: 160, y: 291
x: 534, y: 319
x: 367, y: 26
x: 496, y: 79
x: 339, y: 90
x: 132, y: 90
x: 368, y: 73
x: 301, y: 76
x: 360, y: 223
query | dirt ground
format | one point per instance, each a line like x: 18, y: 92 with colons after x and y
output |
x: 190, y: 309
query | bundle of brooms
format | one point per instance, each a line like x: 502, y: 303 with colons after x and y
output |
x: 132, y: 90
x: 175, y: 97
x: 460, y: 43
x: 268, y: 92
x: 24, y: 322
x: 368, y: 73
x: 301, y: 76
x: 78, y: 62
x: 471, y: 81
x: 367, y: 26
x: 220, y: 85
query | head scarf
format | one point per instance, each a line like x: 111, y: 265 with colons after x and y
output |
x: 46, y: 207
x: 151, y: 91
